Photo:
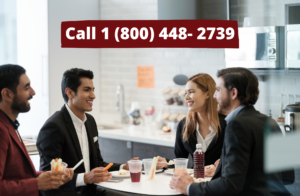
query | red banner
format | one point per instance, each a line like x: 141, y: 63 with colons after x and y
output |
x: 149, y: 34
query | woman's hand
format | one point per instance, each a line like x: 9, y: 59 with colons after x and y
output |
x: 209, y: 170
x: 161, y: 163
x: 217, y: 163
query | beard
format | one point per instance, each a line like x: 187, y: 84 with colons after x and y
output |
x: 20, y: 106
x: 223, y: 105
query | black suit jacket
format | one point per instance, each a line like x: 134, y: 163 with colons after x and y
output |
x: 241, y: 169
x: 213, y: 152
x: 58, y: 139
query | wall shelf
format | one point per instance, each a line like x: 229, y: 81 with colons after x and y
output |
x: 293, y: 72
x: 262, y: 73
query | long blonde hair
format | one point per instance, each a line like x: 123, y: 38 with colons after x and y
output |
x: 207, y: 84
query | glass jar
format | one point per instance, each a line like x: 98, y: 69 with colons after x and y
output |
x: 176, y: 97
x: 181, y: 94
x: 168, y: 96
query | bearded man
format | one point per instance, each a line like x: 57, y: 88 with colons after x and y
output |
x: 17, y: 173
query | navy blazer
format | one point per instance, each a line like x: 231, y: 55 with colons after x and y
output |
x: 241, y: 169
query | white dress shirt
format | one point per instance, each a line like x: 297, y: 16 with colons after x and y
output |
x: 205, y: 142
x: 84, y: 144
x: 17, y: 132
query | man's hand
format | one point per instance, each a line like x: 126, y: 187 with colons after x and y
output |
x: 68, y: 175
x: 50, y: 180
x: 127, y: 166
x: 163, y: 164
x: 209, y: 170
x: 181, y: 182
x: 97, y: 175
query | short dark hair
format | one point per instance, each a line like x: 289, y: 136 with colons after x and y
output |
x: 71, y: 79
x: 244, y: 81
x: 10, y: 77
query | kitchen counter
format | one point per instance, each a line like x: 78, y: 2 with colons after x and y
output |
x: 140, y: 134
x: 118, y: 144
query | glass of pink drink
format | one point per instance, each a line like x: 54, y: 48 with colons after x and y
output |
x: 135, y: 168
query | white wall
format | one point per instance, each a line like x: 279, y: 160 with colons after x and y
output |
x: 61, y: 59
x: 8, y: 34
x: 32, y: 54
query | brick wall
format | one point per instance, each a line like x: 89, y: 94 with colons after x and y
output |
x: 118, y: 66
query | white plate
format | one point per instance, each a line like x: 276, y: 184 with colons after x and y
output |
x: 167, y: 163
x: 116, y: 174
x: 157, y: 171
x: 206, y: 179
x: 171, y: 171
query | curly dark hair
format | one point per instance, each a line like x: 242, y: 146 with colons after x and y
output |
x: 244, y: 81
x: 71, y: 79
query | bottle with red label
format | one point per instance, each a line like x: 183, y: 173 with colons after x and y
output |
x: 199, y: 162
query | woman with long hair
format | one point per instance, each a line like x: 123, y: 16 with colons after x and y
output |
x: 203, y: 124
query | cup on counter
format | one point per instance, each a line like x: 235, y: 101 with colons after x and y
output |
x: 134, y: 114
x: 180, y: 165
x: 147, y: 166
x: 135, y: 169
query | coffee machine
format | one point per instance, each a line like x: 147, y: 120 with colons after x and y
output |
x: 292, y: 118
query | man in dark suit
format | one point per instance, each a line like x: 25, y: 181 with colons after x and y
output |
x: 241, y: 169
x: 17, y: 173
x: 72, y: 135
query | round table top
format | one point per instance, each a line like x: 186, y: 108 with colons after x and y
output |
x: 158, y: 186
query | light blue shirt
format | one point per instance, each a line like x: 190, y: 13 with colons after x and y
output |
x: 234, y: 113
x: 228, y: 118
